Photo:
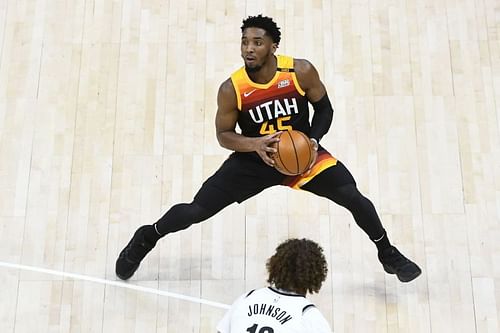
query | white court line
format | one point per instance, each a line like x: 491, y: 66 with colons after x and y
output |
x: 115, y: 283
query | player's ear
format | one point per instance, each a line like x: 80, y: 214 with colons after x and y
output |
x: 274, y: 47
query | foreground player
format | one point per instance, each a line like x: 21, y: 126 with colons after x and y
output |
x: 269, y: 94
x: 298, y: 267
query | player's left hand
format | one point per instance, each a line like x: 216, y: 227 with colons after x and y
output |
x: 315, y: 146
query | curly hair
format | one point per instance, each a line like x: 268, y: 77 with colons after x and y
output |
x: 298, y: 265
x: 265, y: 23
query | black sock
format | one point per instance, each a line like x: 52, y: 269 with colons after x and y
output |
x: 382, y: 243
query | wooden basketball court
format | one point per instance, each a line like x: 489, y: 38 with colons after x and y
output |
x: 107, y: 119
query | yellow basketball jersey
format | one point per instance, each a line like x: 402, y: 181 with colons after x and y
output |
x: 278, y: 105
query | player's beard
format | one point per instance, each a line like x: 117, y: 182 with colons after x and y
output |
x: 254, y: 69
x: 257, y: 68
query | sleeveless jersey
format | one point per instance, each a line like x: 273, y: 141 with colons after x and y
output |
x: 278, y: 105
x: 273, y: 311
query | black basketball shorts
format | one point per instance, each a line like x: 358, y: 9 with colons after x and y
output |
x: 243, y: 175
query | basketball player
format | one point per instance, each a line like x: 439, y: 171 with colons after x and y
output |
x: 297, y: 267
x: 270, y: 93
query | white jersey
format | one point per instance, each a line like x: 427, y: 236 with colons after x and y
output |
x: 269, y: 310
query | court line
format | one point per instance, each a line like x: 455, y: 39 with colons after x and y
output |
x: 115, y: 284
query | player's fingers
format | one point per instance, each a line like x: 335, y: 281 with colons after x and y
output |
x: 315, y: 156
x: 266, y: 158
x: 268, y: 161
x: 271, y: 142
x: 270, y: 149
x: 275, y: 134
x: 268, y: 143
x: 271, y: 138
x: 313, y: 161
x: 314, y: 144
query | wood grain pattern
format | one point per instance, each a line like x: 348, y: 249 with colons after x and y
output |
x: 107, y: 119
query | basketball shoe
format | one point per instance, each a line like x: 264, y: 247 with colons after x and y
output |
x: 396, y: 263
x: 131, y: 256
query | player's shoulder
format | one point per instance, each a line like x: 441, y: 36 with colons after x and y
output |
x: 303, y: 66
x: 307, y: 75
x: 314, y: 320
x: 226, y: 90
x: 257, y: 291
x: 250, y: 293
x: 226, y: 85
x: 309, y: 306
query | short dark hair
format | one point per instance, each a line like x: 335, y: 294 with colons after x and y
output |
x: 298, y: 265
x: 265, y: 23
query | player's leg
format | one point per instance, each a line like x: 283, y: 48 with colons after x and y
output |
x: 239, y: 178
x: 337, y: 184
x: 178, y: 217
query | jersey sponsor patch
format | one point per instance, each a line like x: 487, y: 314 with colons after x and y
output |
x: 283, y: 83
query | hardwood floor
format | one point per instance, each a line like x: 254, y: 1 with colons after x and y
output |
x: 107, y: 119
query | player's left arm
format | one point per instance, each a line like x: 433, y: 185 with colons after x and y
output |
x: 315, y: 90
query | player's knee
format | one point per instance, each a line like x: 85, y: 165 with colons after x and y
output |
x: 355, y: 201
x: 347, y: 195
x: 199, y: 213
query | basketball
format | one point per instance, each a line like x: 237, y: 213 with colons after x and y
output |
x: 294, y: 153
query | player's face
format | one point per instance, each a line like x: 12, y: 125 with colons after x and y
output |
x: 256, y: 48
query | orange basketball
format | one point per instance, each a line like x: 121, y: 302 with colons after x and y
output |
x: 295, y: 153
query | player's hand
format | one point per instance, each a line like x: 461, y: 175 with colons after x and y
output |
x: 315, y: 146
x: 263, y: 147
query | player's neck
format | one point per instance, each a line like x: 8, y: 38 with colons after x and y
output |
x: 266, y: 72
x: 288, y: 291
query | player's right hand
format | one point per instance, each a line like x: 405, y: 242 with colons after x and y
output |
x: 264, y: 147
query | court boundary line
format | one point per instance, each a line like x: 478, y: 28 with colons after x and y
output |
x: 119, y: 284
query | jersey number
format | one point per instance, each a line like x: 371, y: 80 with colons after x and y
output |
x: 265, y: 329
x: 267, y: 128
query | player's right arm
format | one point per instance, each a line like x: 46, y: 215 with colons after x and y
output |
x: 225, y: 125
